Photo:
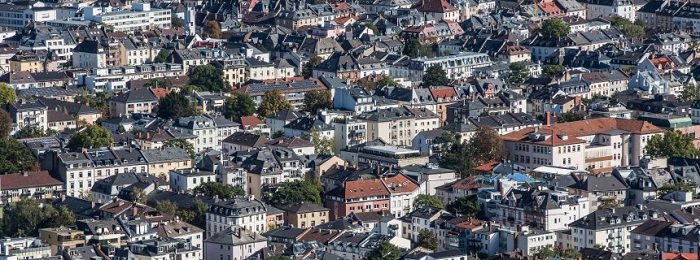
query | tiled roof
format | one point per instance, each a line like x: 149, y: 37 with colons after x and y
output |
x: 28, y: 179
x: 399, y: 183
x: 435, y: 6
x: 361, y: 189
x: 303, y: 207
x: 442, y: 93
x: 251, y: 121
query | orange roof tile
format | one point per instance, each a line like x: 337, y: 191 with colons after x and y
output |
x: 399, y: 183
x: 487, y: 167
x: 160, y: 92
x: 251, y: 121
x: 365, y: 188
x: 444, y: 93
x: 679, y: 256
x: 466, y: 184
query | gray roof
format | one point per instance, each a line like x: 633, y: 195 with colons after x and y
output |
x: 165, y: 154
x: 610, y: 218
x: 235, y: 236
x: 137, y: 95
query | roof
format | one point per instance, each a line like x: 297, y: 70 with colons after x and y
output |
x: 236, y: 236
x: 360, y: 189
x: 165, y: 154
x: 251, y: 121
x: 136, y: 95
x: 303, y: 207
x: 245, y: 139
x: 28, y: 179
x: 290, y: 142
x: 400, y: 183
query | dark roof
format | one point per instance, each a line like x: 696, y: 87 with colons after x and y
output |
x: 303, y: 207
x: 137, y: 95
x: 246, y: 139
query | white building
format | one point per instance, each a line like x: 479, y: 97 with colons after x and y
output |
x: 457, y: 66
x: 188, y: 179
x: 607, y: 8
x: 233, y: 243
x: 610, y: 228
x: 248, y: 213
x: 140, y: 17
x: 115, y: 78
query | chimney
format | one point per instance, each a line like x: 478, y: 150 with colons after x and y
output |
x: 548, y: 118
x: 134, y: 210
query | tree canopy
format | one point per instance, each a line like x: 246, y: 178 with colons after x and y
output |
x: 295, y: 192
x: 569, y: 117
x: 167, y: 207
x: 317, y: 99
x: 555, y: 28
x: 627, y: 28
x: 467, y: 206
x: 272, y: 102
x: 385, y: 250
x: 212, y: 29
x: 518, y: 73
x: 489, y: 145
x: 323, y: 145
x: 456, y: 154
x: 238, y: 105
x: 93, y: 136
x: 26, y: 217
x: 308, y: 69
x: 34, y: 132
x: 551, y: 71
x: 99, y: 101
x: 387, y: 81
x: 162, y: 56
x: 435, y: 76
x: 7, y: 94
x: 423, y: 200
x: 209, y: 78
x: 182, y: 143
x: 5, y: 124
x: 138, y: 195
x: 671, y: 144
x: 427, y: 239
x: 415, y: 49
x: 15, y: 157
x: 175, y: 105
x: 224, y: 191
x: 668, y: 188
x: 690, y: 92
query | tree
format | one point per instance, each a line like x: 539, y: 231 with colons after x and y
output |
x: 627, y: 28
x: 209, y: 78
x: 175, y: 105
x: 423, y: 200
x: 317, y: 99
x: 15, y: 157
x: 224, y: 191
x: 162, y: 56
x: 63, y: 218
x: 197, y: 215
x: 5, y: 124
x: 671, y: 144
x: 25, y: 217
x: 295, y: 192
x: 387, y: 81
x: 322, y: 145
x: 7, y: 94
x: 34, y: 132
x: 212, y: 29
x: 555, y: 28
x: 138, y: 195
x: 467, y: 206
x: 545, y: 253
x: 489, y: 145
x: 551, y: 71
x: 571, y: 253
x: 669, y: 188
x: 435, y: 76
x: 272, y: 102
x: 385, y: 250
x: 569, y: 117
x: 415, y: 49
x: 372, y: 27
x: 99, y: 101
x: 308, y: 69
x: 167, y: 207
x: 518, y: 73
x: 182, y: 143
x: 93, y: 136
x: 176, y: 22
x: 690, y: 93
x: 456, y: 154
x: 427, y: 239
x: 238, y: 105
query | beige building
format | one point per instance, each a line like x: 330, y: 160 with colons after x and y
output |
x: 295, y: 19
x: 162, y: 161
x: 597, y: 144
x: 398, y: 126
x: 62, y: 238
x: 141, y: 100
x: 33, y: 62
x: 304, y: 214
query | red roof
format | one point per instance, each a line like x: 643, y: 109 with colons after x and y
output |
x: 487, y: 167
x: 435, y: 6
x: 364, y: 188
x: 251, y: 121
x: 679, y: 256
x: 160, y: 92
x: 399, y: 183
x: 444, y: 93
x: 466, y: 184
x: 15, y: 181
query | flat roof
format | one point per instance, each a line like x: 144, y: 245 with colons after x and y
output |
x: 391, y: 149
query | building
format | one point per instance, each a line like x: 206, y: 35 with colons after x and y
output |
x: 162, y: 161
x: 402, y: 192
x: 430, y: 176
x: 233, y: 243
x: 247, y: 213
x: 30, y: 184
x: 548, y: 210
x: 399, y: 125
x: 28, y: 114
x: 357, y: 196
x: 209, y: 130
x: 140, y: 101
x: 183, y: 180
x: 598, y: 144
x: 115, y: 79
x: 140, y: 17
x: 304, y: 214
x: 457, y: 66
x: 62, y: 238
x: 24, y: 248
x: 610, y: 228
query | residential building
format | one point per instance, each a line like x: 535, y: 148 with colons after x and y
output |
x: 233, y: 243
x: 28, y: 114
x: 140, y: 17
x: 244, y: 213
x: 30, y: 184
x: 399, y: 125
x: 357, y: 196
x: 402, y: 192
x: 24, y: 248
x: 62, y: 238
x: 182, y: 180
x: 209, y: 130
x: 304, y: 214
x: 457, y: 66
x: 610, y: 228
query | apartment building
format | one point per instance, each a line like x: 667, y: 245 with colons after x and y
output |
x: 402, y: 192
x: 35, y: 184
x: 598, y: 144
x: 610, y: 228
x: 33, y: 61
x: 162, y: 161
x: 555, y: 209
x: 233, y: 243
x: 399, y: 125
x: 304, y: 214
x: 247, y: 213
x: 607, y: 8
x: 209, y: 130
x: 28, y: 114
x: 115, y: 79
x: 665, y: 236
x: 357, y: 196
x: 140, y: 17
x: 293, y: 89
x: 62, y: 238
x: 140, y: 101
x: 457, y: 66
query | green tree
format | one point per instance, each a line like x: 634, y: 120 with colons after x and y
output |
x: 63, y: 217
x: 25, y: 217
x: 668, y: 188
x: 308, y: 69
x: 518, y: 73
x: 467, y: 206
x: 34, y: 132
x: 5, y: 124
x: 7, y: 94
x: 423, y: 200
x: 414, y: 49
x: 671, y: 144
x: 209, y: 78
x: 372, y: 27
x: 555, y: 28
x: 197, y: 215
x: 176, y: 22
x: 322, y: 145
x: 627, y: 28
x: 569, y: 117
x: 551, y: 71
x: 435, y: 76
x: 571, y: 253
x: 162, y: 56
x: 92, y: 136
x: 545, y: 253
x: 387, y: 81
x: 224, y: 191
x: 690, y: 93
x: 456, y: 154
x: 489, y: 145
x: 427, y: 239
x: 317, y: 99
x: 238, y: 105
x: 15, y: 157
x: 212, y: 29
x: 385, y: 250
x: 272, y: 102
x: 167, y: 207
x: 182, y: 143
x: 175, y: 105
x: 138, y: 195
x: 99, y: 101
x: 295, y: 192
